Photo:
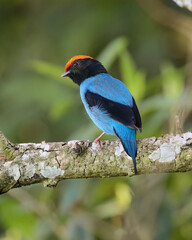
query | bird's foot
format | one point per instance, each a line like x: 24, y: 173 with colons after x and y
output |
x: 97, y: 140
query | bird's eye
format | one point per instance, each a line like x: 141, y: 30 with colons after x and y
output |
x: 75, y: 64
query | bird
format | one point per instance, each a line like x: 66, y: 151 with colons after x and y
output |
x: 107, y: 101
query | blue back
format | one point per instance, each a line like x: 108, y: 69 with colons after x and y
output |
x: 108, y: 87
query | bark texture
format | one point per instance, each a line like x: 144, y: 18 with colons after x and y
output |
x: 29, y: 163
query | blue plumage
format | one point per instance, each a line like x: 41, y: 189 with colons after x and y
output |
x: 107, y: 101
x: 110, y: 88
x: 114, y: 90
x: 128, y: 140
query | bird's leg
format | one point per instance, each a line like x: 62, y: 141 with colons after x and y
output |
x: 97, y: 140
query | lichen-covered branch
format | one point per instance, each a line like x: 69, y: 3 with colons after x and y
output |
x: 28, y: 163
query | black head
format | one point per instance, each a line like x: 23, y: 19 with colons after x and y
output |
x: 82, y: 67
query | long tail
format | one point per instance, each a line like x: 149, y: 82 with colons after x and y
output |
x: 128, y: 140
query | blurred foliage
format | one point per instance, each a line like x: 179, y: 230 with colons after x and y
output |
x: 37, y: 38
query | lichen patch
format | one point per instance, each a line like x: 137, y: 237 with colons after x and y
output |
x: 73, y: 142
x: 44, y: 154
x: 118, y: 150
x: 95, y: 146
x: 52, y: 172
x: 14, y: 172
x: 168, y: 151
x: 45, y: 146
x: 41, y: 165
x: 187, y: 135
x: 25, y: 144
x: 25, y: 157
x: 29, y: 170
x: 7, y: 164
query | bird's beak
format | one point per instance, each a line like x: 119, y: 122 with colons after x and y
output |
x: 65, y: 74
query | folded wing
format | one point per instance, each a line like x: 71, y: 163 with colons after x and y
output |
x: 127, y: 115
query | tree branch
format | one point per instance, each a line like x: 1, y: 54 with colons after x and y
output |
x: 29, y: 163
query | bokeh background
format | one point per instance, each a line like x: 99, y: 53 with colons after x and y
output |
x: 148, y: 45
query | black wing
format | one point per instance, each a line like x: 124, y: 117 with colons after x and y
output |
x: 124, y: 114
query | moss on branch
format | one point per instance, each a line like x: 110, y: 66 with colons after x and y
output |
x: 48, y: 163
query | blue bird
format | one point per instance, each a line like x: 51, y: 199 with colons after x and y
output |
x: 107, y: 101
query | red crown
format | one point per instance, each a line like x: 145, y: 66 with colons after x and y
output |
x: 73, y: 59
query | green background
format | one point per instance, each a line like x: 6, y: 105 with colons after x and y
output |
x: 152, y: 57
